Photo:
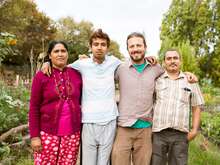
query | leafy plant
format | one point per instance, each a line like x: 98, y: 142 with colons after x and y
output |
x: 7, y: 43
x: 13, y: 112
x: 203, y: 152
x: 211, y: 94
x: 13, y: 106
x: 210, y: 125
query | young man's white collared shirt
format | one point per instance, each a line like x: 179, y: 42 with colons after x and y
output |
x: 98, y: 95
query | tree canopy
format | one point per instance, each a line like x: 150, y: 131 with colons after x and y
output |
x: 31, y: 27
x: 33, y: 31
x: 7, y: 43
x: 197, y: 23
x: 77, y: 35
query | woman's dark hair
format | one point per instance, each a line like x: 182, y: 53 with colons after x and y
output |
x: 51, y: 45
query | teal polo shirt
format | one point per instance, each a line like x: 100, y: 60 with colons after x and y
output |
x: 141, y: 123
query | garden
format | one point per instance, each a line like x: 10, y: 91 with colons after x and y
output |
x: 190, y: 26
x: 15, y: 143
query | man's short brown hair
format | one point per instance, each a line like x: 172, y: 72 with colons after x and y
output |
x: 136, y: 34
x: 99, y: 34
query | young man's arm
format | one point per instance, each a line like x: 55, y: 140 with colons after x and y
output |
x: 46, y: 67
x: 116, y: 77
x: 76, y: 65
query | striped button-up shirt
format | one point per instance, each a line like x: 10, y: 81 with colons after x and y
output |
x: 173, y: 99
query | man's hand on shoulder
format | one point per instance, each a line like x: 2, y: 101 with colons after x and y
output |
x: 191, y: 77
x: 82, y: 56
x: 151, y: 59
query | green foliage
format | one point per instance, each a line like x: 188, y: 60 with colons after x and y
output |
x: 196, y: 22
x: 17, y: 156
x: 13, y: 106
x: 211, y: 94
x: 13, y: 112
x: 215, y: 67
x: 4, y: 151
x: 202, y: 152
x: 189, y: 62
x: 210, y: 125
x: 31, y: 27
x: 204, y: 149
x: 77, y: 35
x: 7, y: 44
x: 187, y: 52
x: 114, y: 50
x: 165, y: 45
x: 24, y: 161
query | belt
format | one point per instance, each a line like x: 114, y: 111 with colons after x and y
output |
x: 171, y: 130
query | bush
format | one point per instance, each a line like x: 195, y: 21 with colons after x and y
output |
x: 202, y: 152
x: 13, y: 106
x: 211, y: 94
x: 210, y: 125
x: 13, y: 112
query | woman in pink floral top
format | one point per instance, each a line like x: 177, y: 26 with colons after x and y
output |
x: 55, y: 113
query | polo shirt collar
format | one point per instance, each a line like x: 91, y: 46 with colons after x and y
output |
x: 130, y: 64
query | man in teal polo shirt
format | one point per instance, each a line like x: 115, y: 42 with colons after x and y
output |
x: 136, y: 82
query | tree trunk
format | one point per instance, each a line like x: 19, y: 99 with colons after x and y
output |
x: 32, y: 61
x: 13, y: 131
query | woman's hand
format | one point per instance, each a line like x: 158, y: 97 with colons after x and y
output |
x: 36, y: 144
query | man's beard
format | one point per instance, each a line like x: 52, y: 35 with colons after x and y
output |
x: 137, y: 58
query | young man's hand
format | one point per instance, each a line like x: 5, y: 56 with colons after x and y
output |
x: 36, y: 144
x: 46, y: 68
x: 82, y: 56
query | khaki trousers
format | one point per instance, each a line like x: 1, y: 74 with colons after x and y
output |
x: 132, y: 145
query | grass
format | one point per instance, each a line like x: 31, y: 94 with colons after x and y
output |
x: 24, y: 161
x: 203, y: 152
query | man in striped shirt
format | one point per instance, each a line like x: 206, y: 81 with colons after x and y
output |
x: 174, y: 96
